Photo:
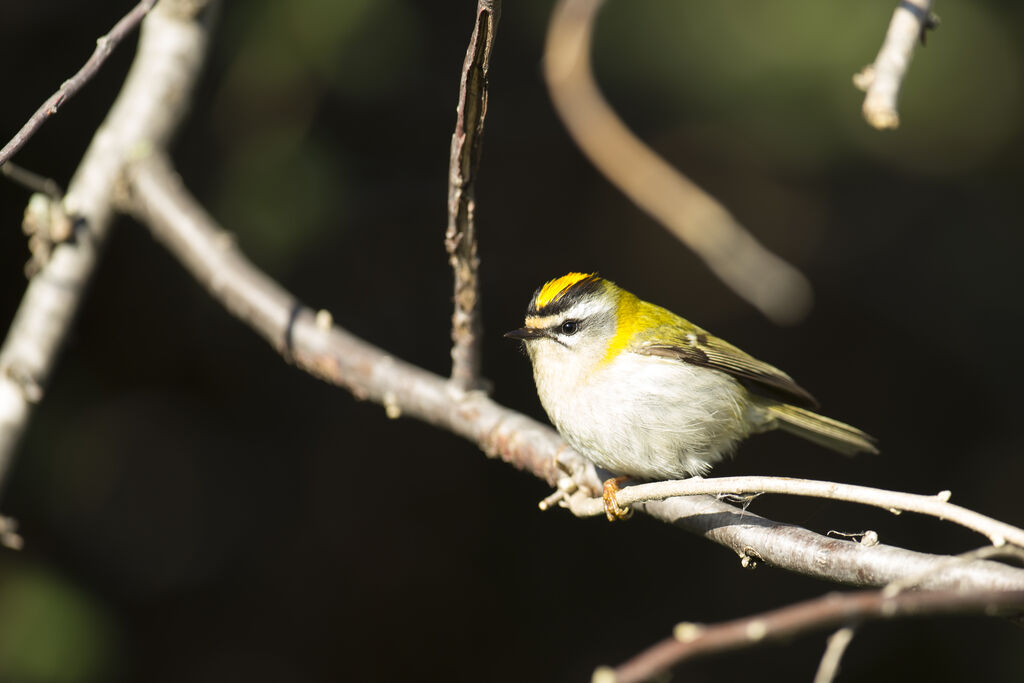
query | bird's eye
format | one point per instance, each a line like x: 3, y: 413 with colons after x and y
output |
x: 570, y: 327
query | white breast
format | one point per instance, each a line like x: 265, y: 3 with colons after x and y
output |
x: 645, y: 416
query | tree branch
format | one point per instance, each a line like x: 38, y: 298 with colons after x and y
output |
x: 835, y: 609
x: 158, y: 198
x: 767, y: 282
x: 896, y: 501
x: 69, y: 88
x: 883, y: 79
x: 146, y: 112
x: 460, y: 237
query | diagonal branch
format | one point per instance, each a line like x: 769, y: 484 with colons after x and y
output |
x: 158, y: 198
x: 69, y: 88
x: 830, y: 611
x: 146, y: 112
x: 460, y: 237
x: 776, y: 288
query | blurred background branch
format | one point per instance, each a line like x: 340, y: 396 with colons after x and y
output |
x: 835, y: 609
x: 767, y: 282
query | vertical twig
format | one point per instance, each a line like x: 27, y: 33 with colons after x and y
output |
x: 460, y: 237
x: 104, y: 46
x: 882, y: 79
x: 828, y: 668
x: 146, y: 112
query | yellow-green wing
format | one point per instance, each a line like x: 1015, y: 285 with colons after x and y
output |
x: 694, y: 345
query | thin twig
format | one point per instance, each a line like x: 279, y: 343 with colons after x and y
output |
x: 152, y: 101
x: 776, y: 288
x: 828, y: 668
x: 883, y: 79
x: 897, y: 501
x: 835, y: 609
x: 460, y: 237
x: 158, y: 198
x: 33, y: 181
x: 104, y: 46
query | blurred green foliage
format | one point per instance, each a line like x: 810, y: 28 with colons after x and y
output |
x: 286, y: 58
x: 50, y: 631
x: 781, y: 70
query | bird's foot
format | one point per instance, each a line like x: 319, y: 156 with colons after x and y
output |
x: 612, y: 509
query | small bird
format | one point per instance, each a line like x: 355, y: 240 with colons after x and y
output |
x: 646, y: 394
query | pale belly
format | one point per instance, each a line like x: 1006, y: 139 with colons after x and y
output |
x: 652, y: 418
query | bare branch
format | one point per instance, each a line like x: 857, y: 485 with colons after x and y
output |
x: 883, y: 79
x: 146, y: 112
x: 773, y: 286
x: 69, y: 88
x: 160, y: 200
x: 835, y: 609
x: 460, y: 237
x: 896, y: 501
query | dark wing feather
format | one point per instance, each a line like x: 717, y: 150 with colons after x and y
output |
x: 701, y: 348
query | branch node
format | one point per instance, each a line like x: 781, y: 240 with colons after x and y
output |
x: 391, y: 407
x: 757, y: 630
x: 687, y: 631
x: 558, y: 497
x: 604, y: 674
x: 9, y: 536
x: 863, y: 79
x: 324, y: 320
x: 30, y: 387
x: 749, y: 558
x: 944, y: 496
x: 46, y: 224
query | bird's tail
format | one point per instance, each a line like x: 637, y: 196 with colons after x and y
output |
x: 822, y: 430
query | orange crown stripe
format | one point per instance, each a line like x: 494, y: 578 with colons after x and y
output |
x: 554, y: 289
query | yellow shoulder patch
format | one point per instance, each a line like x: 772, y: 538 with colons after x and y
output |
x: 554, y: 289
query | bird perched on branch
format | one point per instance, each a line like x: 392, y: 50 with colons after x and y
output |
x: 646, y: 394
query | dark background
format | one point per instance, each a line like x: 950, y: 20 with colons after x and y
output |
x: 195, y: 509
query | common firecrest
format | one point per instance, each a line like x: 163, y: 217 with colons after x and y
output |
x: 643, y: 393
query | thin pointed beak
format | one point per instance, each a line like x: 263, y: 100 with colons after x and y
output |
x: 525, y: 333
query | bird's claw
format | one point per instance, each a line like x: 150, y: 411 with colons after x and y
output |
x: 612, y: 509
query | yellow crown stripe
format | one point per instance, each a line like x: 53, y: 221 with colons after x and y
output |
x: 554, y: 289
